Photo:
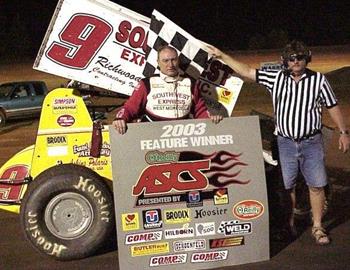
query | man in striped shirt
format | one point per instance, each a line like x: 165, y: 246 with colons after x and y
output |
x: 298, y: 95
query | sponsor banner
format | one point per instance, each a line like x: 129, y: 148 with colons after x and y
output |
x: 103, y: 44
x: 95, y: 42
x: 226, y: 242
x: 149, y: 249
x: 191, y: 179
x: 211, y: 256
x: 189, y: 245
x: 143, y: 237
x: 234, y: 227
x: 168, y: 259
x: 146, y: 201
x: 249, y: 209
x: 206, y: 228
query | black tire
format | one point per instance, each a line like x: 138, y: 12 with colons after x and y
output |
x: 2, y: 118
x: 68, y: 213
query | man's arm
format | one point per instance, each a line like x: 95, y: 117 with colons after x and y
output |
x: 337, y: 117
x: 241, y: 68
x: 132, y: 108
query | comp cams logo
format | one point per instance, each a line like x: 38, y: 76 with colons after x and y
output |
x: 168, y: 259
x: 143, y: 237
x: 211, y: 256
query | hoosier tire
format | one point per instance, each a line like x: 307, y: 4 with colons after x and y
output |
x: 67, y: 212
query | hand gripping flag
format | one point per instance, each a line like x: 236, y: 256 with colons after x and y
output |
x: 192, y: 56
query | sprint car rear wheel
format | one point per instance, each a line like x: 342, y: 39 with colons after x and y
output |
x: 67, y: 212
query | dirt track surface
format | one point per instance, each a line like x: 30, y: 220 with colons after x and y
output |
x: 302, y: 253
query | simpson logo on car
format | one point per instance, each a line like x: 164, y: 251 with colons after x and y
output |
x: 189, y: 245
x: 226, y: 242
x: 234, y: 227
x: 168, y: 259
x: 130, y: 221
x: 179, y: 233
x: 206, y: 228
x: 249, y: 209
x: 64, y: 105
x: 150, y: 249
x: 65, y: 120
x: 152, y: 219
x: 177, y: 216
x: 143, y: 237
x: 211, y: 256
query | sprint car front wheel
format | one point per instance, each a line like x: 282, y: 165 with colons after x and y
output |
x: 67, y: 212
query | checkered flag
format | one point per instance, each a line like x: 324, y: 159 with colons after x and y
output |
x: 192, y: 56
x: 223, y: 225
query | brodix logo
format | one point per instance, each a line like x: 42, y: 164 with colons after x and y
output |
x: 249, y: 209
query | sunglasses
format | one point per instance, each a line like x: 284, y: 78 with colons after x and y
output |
x: 298, y: 57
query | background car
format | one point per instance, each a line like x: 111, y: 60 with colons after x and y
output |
x: 21, y: 99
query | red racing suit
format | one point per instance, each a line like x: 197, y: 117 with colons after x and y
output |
x: 164, y: 98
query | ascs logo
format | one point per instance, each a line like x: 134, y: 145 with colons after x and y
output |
x: 152, y: 219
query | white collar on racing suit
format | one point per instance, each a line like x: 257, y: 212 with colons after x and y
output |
x: 169, y: 79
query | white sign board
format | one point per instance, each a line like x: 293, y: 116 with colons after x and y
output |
x: 190, y: 194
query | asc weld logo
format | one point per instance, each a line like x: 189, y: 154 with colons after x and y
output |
x: 152, y: 219
x: 211, y: 256
x: 168, y: 259
x: 233, y: 227
x: 206, y: 228
x: 143, y: 237
x: 189, y: 245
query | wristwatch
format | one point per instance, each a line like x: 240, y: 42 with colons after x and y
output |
x: 344, y: 132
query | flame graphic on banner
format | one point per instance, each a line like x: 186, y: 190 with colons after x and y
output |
x: 221, y: 163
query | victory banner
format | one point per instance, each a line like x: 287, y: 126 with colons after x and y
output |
x: 100, y: 43
x: 190, y: 193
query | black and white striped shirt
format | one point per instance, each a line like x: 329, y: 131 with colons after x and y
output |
x: 297, y: 105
